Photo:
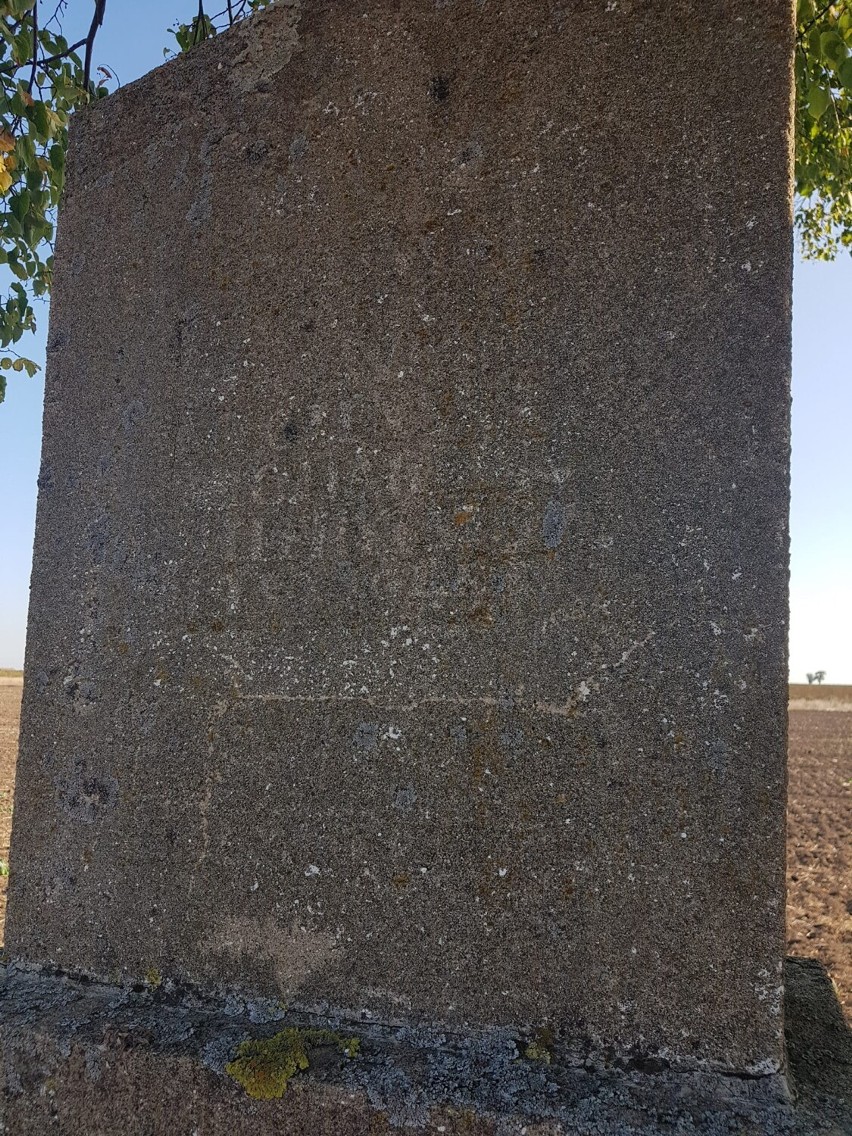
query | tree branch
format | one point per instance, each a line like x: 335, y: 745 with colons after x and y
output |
x: 97, y: 21
x: 818, y: 17
x: 35, y: 50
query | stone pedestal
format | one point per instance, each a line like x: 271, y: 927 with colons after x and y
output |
x: 408, y: 629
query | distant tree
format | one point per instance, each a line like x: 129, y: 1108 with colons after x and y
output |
x: 816, y: 676
x: 43, y: 79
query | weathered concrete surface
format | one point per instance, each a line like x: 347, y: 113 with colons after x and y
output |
x: 99, y: 1061
x: 408, y: 621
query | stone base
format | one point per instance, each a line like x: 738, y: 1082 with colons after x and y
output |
x: 83, y: 1059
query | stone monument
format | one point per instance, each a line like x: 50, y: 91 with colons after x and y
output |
x: 405, y: 701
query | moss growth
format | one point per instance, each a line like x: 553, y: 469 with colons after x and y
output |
x: 536, y: 1052
x: 153, y: 977
x: 265, y: 1066
x: 541, y: 1046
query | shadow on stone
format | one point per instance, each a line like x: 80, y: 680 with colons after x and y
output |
x: 819, y: 1047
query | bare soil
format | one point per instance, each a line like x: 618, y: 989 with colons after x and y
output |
x: 819, y: 843
x: 10, y: 708
x: 819, y: 833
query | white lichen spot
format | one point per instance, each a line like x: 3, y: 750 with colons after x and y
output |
x: 765, y: 1068
x: 312, y: 870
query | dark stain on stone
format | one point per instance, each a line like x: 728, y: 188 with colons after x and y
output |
x: 439, y: 88
x: 405, y: 798
x: 482, y: 616
x: 554, y: 524
x: 85, y: 795
x: 291, y: 432
x: 46, y: 480
x: 257, y: 151
x: 298, y: 147
x: 97, y: 540
x: 366, y: 735
x: 81, y: 691
x: 470, y: 153
x: 133, y: 414
x: 511, y: 739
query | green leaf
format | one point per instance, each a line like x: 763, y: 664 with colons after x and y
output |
x: 818, y: 99
x: 832, y: 48
x: 844, y: 73
x: 39, y: 117
x: 20, y: 204
x: 25, y: 151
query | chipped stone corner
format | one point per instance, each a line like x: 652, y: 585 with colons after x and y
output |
x: 269, y: 40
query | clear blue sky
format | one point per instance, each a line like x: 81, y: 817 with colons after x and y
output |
x: 132, y: 42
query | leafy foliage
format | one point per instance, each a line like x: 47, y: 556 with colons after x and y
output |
x: 824, y: 127
x: 202, y: 26
x: 43, y: 80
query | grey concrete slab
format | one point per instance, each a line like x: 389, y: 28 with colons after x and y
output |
x: 408, y: 624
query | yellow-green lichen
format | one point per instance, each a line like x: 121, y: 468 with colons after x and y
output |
x: 153, y: 977
x: 265, y: 1066
x: 541, y: 1046
x: 536, y: 1052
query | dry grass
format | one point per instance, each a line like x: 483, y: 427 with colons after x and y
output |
x: 805, y: 696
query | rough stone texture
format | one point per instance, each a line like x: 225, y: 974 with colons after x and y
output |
x: 408, y: 623
x: 101, y: 1061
